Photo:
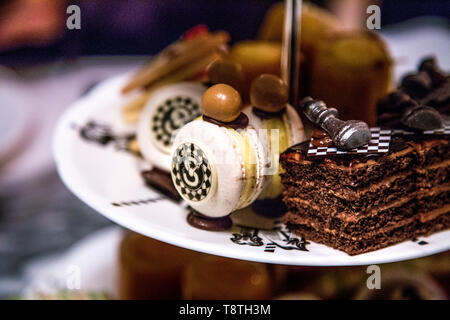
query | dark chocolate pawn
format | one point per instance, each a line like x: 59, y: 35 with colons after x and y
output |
x: 200, y: 221
x: 345, y: 134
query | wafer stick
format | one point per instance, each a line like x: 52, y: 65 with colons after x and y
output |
x: 175, y: 57
x: 132, y: 110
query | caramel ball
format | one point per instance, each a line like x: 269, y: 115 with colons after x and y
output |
x: 269, y: 93
x: 227, y: 72
x: 221, y: 102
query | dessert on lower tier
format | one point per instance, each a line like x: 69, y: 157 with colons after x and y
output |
x: 394, y: 189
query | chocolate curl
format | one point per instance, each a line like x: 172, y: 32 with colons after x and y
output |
x: 422, y: 117
x: 413, y: 115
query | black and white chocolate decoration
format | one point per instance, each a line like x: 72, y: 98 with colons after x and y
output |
x: 168, y: 109
x: 191, y: 172
x: 171, y: 115
x: 440, y: 131
x: 378, y: 143
x: 345, y: 134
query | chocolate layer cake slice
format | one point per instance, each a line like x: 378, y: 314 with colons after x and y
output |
x: 359, y: 202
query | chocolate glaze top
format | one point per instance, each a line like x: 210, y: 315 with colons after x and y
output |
x: 397, y: 143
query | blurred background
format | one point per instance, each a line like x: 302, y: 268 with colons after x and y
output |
x: 44, y: 67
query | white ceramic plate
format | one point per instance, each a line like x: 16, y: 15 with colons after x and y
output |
x: 108, y: 179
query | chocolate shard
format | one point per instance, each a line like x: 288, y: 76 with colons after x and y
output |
x: 161, y: 181
x: 395, y: 102
x: 422, y: 117
x: 430, y: 66
x: 417, y: 84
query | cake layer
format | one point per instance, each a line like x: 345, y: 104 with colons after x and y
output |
x: 357, y: 171
x: 382, y: 220
x: 363, y: 199
x: 378, y: 241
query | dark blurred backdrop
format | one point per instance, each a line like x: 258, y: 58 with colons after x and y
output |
x: 35, y: 31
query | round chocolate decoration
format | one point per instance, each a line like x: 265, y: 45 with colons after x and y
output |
x: 222, y: 102
x: 170, y: 116
x: 191, y: 172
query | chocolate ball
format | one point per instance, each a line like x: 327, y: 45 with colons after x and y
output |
x: 269, y: 93
x: 227, y: 72
x: 221, y: 102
